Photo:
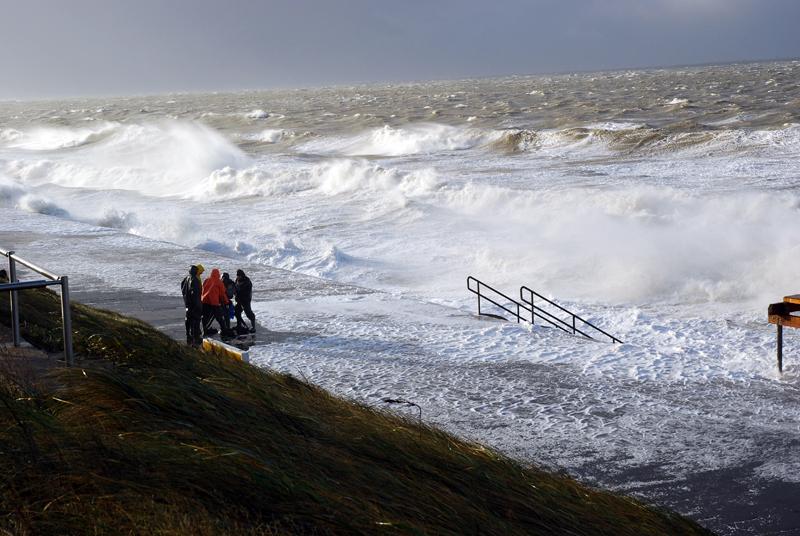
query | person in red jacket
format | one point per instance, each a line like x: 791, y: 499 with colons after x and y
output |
x: 214, y: 299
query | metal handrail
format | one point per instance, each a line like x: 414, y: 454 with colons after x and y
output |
x: 14, y: 285
x: 575, y: 317
x: 532, y: 309
x: 503, y: 307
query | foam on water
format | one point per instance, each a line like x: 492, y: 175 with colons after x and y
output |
x: 622, y: 243
x: 258, y: 114
x: 271, y: 135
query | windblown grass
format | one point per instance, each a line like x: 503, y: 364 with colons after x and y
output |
x: 148, y: 436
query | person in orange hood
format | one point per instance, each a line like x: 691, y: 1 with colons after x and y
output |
x: 214, y: 299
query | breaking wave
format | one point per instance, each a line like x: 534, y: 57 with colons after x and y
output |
x: 15, y: 195
x: 592, y: 139
x: 53, y: 138
x: 423, y: 138
x: 344, y: 176
x: 640, y: 138
x: 160, y: 158
x: 632, y: 244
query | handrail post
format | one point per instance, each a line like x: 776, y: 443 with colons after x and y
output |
x: 479, y: 298
x: 66, y: 318
x: 518, y: 317
x: 573, y: 324
x: 533, y: 308
x: 12, y: 277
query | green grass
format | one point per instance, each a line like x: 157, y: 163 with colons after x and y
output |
x: 147, y: 436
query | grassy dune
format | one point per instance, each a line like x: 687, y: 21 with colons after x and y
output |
x: 148, y: 436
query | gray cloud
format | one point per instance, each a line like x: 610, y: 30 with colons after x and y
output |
x: 52, y: 47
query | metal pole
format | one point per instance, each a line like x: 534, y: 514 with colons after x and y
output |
x: 66, y: 320
x: 479, y: 298
x: 780, y: 348
x: 12, y: 278
x: 573, y: 324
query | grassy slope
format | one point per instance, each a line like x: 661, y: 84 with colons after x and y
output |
x: 147, y: 436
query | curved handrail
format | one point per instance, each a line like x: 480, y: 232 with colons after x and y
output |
x: 575, y: 317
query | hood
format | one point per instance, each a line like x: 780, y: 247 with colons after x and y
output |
x: 200, y: 269
x: 193, y: 270
x: 215, y: 274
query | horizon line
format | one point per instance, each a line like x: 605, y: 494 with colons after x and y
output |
x: 369, y: 83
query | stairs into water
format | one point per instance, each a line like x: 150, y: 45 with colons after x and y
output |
x: 532, y: 307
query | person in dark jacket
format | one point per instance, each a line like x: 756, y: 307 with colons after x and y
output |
x: 230, y: 290
x: 192, y: 293
x: 244, y: 294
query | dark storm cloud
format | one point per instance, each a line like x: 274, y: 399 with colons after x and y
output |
x: 55, y: 47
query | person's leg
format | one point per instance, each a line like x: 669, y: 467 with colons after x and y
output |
x: 224, y: 321
x: 196, y: 319
x: 209, y: 316
x: 249, y: 312
x: 188, y: 323
x: 226, y: 317
x: 219, y: 317
x: 205, y: 320
x: 238, y: 312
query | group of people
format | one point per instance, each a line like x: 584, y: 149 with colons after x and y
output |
x: 212, y: 300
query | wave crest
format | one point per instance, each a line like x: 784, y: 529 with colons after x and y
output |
x: 645, y: 140
x: 422, y: 138
x: 54, y: 138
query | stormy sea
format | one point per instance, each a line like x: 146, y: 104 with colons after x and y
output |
x: 661, y: 205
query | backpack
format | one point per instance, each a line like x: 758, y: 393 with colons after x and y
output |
x: 230, y: 289
x: 186, y: 290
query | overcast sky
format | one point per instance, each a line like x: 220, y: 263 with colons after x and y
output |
x: 108, y: 47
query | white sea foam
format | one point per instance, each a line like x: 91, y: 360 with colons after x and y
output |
x: 9, y: 134
x: 678, y: 102
x: 358, y: 176
x: 271, y: 135
x: 9, y: 190
x: 41, y: 205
